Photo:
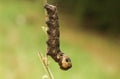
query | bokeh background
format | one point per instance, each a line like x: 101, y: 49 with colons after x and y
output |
x: 90, y: 35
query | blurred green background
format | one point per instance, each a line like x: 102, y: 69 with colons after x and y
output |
x: 89, y: 35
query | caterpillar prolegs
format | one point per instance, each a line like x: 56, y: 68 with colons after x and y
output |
x: 53, y: 42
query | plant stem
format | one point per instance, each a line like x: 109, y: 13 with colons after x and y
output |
x: 45, y: 66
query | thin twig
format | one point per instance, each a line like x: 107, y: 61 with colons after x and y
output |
x: 42, y: 59
x: 45, y: 1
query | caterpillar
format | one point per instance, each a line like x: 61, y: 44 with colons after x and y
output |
x: 53, y: 41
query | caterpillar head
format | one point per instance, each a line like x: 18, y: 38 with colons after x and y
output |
x: 65, y: 62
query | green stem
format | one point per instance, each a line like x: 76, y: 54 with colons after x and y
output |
x: 45, y: 66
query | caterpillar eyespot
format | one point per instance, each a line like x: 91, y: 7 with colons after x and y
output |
x: 53, y: 42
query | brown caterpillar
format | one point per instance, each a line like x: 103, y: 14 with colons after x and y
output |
x: 53, y: 42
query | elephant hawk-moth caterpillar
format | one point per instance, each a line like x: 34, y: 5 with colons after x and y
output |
x: 53, y: 41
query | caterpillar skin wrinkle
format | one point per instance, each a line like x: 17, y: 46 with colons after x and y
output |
x: 53, y: 42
